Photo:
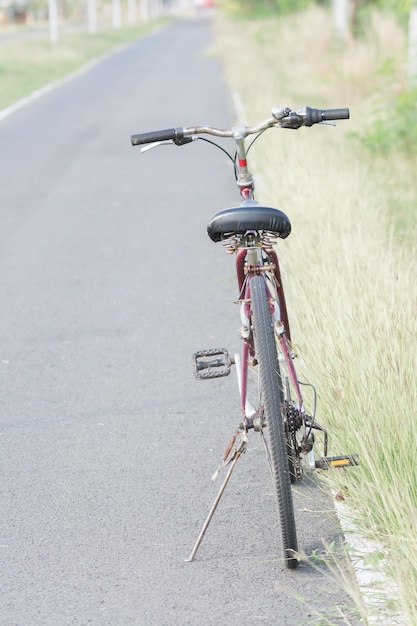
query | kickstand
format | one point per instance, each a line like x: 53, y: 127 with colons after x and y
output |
x: 240, y: 449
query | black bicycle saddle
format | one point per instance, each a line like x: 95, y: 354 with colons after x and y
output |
x: 250, y: 215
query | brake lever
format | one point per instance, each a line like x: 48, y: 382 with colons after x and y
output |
x: 156, y: 144
x: 170, y: 142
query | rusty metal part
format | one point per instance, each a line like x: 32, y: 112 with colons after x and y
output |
x: 229, y: 447
x: 253, y: 269
x: 239, y: 451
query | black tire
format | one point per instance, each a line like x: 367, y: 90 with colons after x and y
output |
x: 271, y: 400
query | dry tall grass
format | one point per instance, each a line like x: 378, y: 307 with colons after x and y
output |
x: 350, y: 278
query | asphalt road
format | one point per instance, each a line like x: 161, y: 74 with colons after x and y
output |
x: 108, y: 283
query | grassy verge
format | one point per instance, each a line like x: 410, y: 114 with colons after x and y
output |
x: 350, y: 264
x: 29, y: 64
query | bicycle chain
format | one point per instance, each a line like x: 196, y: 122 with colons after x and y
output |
x: 293, y: 424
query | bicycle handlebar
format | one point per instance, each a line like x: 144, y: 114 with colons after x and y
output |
x: 281, y: 117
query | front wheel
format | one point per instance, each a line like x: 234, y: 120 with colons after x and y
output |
x: 271, y: 398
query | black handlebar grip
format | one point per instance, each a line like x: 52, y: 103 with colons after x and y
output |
x: 157, y: 135
x: 315, y: 116
x: 336, y: 114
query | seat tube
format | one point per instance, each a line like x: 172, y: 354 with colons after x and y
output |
x: 246, y: 407
x: 244, y: 376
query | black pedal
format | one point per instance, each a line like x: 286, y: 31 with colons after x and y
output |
x: 213, y: 363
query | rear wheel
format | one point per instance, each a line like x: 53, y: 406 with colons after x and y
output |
x: 271, y: 407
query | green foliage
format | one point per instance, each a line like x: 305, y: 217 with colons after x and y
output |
x: 395, y: 126
x: 400, y: 8
x: 264, y: 8
x: 375, y: 560
x: 363, y: 10
x: 291, y: 6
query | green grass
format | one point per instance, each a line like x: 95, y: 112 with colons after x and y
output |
x: 349, y: 267
x: 28, y: 64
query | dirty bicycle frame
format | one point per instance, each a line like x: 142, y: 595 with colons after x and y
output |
x: 271, y: 400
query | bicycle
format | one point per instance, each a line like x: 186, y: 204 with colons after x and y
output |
x: 277, y: 410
